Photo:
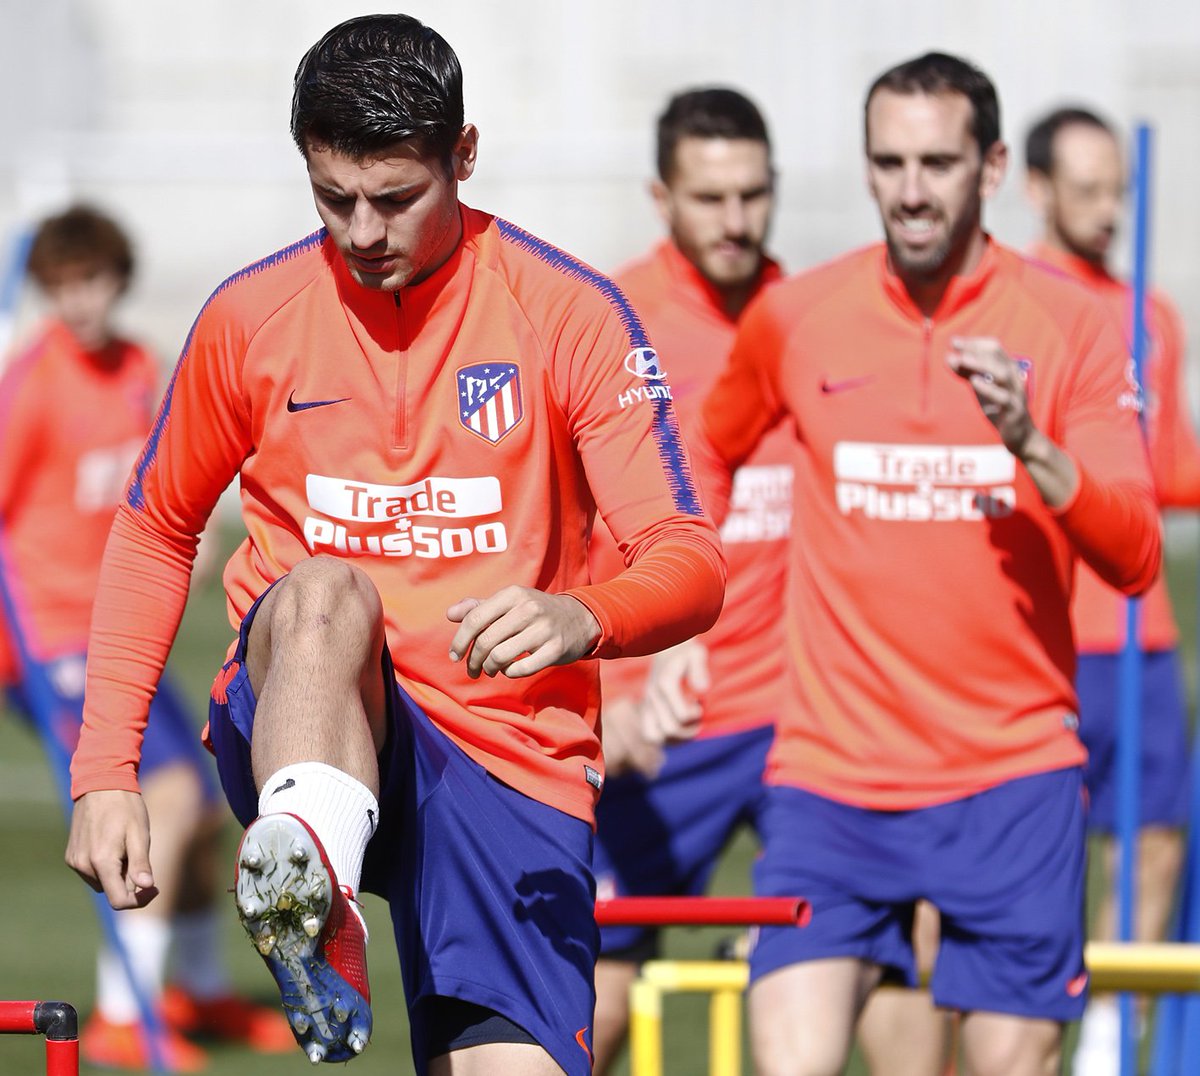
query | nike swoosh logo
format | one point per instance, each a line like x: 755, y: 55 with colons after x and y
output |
x: 579, y: 1039
x: 846, y: 383
x: 289, y: 783
x: 293, y: 406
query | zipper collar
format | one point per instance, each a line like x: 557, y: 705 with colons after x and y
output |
x: 960, y: 292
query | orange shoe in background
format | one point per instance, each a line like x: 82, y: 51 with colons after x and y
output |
x: 261, y: 1028
x: 120, y: 1046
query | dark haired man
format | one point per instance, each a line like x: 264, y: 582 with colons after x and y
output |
x: 425, y: 405
x: 964, y: 430
x: 75, y: 406
x: 664, y: 820
x: 1076, y: 182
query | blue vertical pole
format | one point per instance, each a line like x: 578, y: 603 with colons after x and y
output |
x: 1129, y: 680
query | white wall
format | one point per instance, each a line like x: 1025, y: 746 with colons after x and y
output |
x: 175, y: 116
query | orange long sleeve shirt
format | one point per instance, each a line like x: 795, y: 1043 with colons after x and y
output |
x: 71, y: 424
x: 694, y: 335
x: 928, y: 622
x: 1098, y: 611
x: 451, y: 439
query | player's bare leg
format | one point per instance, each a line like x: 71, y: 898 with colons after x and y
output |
x: 611, y: 1024
x: 1159, y: 860
x: 900, y: 1032
x: 496, y: 1059
x: 802, y: 1017
x: 996, y: 1044
x: 313, y: 659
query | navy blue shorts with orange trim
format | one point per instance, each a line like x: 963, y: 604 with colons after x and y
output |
x: 1005, y: 867
x: 491, y: 892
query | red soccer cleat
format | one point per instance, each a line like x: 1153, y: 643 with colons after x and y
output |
x: 122, y: 1046
x: 261, y: 1028
x: 312, y: 939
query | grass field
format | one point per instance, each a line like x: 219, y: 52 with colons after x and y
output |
x: 51, y: 935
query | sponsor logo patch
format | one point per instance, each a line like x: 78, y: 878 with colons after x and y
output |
x: 489, y: 399
x: 643, y: 362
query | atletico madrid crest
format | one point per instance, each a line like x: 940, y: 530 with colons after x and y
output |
x: 489, y: 399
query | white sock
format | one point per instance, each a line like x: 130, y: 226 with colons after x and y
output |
x: 197, y: 964
x: 341, y: 811
x: 1098, y: 1052
x: 145, y: 939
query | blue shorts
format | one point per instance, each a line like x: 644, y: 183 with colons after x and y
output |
x: 663, y: 837
x: 170, y: 735
x: 491, y: 892
x: 1164, y: 748
x: 1005, y: 868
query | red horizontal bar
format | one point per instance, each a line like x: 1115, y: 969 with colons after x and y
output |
x: 703, y: 911
x: 16, y: 1017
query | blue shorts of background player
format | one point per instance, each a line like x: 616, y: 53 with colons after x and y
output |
x: 1164, y: 740
x: 171, y: 737
x: 663, y: 836
x: 1005, y: 868
x: 491, y: 893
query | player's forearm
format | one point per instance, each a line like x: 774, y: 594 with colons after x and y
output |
x: 139, y: 603
x: 1053, y: 472
x: 1115, y: 528
x: 673, y: 591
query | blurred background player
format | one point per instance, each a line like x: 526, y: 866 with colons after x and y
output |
x: 965, y: 429
x: 667, y: 812
x: 75, y: 406
x: 1076, y: 182
x: 405, y: 704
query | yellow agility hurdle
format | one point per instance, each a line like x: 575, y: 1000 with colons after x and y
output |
x: 1143, y: 968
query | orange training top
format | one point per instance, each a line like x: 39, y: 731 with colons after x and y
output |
x: 928, y: 622
x: 71, y: 425
x: 1098, y: 611
x: 451, y: 438
x: 685, y: 318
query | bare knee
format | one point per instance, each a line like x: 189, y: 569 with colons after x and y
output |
x: 996, y: 1044
x: 323, y: 606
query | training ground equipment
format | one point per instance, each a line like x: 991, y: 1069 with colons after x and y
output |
x: 56, y: 1020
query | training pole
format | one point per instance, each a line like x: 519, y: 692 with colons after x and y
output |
x: 703, y: 912
x: 1129, y: 679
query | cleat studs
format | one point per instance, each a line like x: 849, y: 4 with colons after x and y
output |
x: 298, y: 854
x: 251, y: 908
x: 285, y: 902
x: 357, y: 1041
x: 316, y: 1052
x: 252, y: 859
x: 341, y: 1012
x: 300, y: 1022
x: 264, y: 943
x: 312, y: 926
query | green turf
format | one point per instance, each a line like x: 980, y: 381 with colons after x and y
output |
x: 51, y: 933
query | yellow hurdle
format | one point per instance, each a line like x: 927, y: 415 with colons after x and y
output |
x: 1141, y: 967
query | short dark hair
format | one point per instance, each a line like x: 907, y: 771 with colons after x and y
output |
x: 1039, y: 143
x: 939, y: 72
x: 80, y: 235
x: 377, y: 80
x: 707, y: 112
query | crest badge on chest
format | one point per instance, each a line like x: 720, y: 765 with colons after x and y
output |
x: 489, y: 399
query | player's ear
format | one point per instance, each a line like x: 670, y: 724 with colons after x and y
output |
x: 464, y: 152
x: 995, y: 164
x: 662, y: 200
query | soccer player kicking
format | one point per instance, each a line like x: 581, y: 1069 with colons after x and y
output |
x: 424, y: 406
x: 1076, y: 182
x: 663, y: 821
x: 75, y: 406
x: 965, y: 429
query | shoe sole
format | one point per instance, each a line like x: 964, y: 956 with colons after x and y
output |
x: 284, y: 895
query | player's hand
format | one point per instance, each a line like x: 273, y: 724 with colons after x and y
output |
x: 109, y: 847
x: 625, y: 745
x: 678, y: 680
x: 998, y: 385
x: 519, y: 631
